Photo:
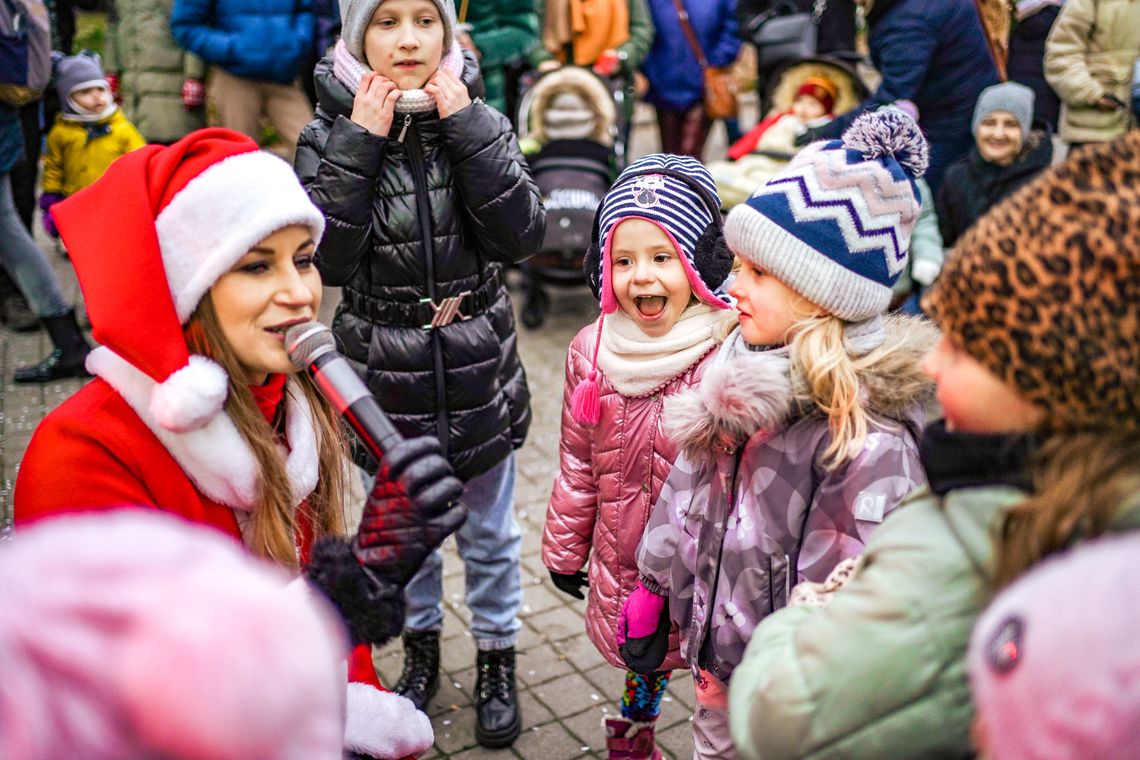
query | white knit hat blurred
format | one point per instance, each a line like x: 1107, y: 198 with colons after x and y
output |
x: 1055, y: 660
x: 133, y: 634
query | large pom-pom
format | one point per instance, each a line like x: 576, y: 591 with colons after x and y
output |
x: 890, y: 132
x: 190, y: 397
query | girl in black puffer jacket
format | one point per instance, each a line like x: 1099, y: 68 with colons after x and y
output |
x: 427, y: 196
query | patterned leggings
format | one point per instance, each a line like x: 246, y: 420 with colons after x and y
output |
x: 641, y: 701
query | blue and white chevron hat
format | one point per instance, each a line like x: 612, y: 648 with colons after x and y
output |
x: 835, y: 225
x: 674, y: 205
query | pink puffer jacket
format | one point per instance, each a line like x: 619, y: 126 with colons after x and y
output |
x: 605, y: 490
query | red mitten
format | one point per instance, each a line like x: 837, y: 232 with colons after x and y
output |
x: 113, y: 83
x: 607, y: 63
x: 193, y: 94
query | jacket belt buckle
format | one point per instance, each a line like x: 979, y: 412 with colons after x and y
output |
x: 446, y: 311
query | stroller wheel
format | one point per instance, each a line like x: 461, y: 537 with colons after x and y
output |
x: 534, y: 310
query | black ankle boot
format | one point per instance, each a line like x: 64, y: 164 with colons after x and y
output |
x: 420, y: 680
x: 71, y: 350
x: 499, y: 720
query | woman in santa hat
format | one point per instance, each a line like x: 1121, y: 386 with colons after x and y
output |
x: 194, y: 259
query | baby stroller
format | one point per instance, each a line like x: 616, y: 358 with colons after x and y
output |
x: 737, y: 180
x: 571, y: 127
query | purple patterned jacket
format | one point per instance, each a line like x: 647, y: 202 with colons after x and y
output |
x: 736, y: 526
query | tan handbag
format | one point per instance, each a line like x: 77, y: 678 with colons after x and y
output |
x: 720, y: 84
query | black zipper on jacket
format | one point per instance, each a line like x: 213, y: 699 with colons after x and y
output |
x: 423, y: 212
x: 703, y: 652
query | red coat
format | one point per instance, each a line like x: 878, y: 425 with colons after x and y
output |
x: 100, y: 450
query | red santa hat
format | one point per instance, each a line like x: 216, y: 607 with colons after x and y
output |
x: 150, y: 238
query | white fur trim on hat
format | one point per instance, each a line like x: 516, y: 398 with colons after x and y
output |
x: 215, y: 456
x: 228, y: 208
x: 190, y: 397
x: 383, y: 724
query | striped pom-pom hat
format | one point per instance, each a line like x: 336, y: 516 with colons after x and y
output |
x: 648, y: 189
x: 835, y: 225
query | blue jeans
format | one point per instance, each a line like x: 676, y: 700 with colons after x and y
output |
x: 490, y: 544
x: 24, y: 260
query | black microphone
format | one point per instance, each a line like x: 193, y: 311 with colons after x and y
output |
x: 311, y: 347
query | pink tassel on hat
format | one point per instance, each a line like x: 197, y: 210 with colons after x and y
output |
x: 585, y: 404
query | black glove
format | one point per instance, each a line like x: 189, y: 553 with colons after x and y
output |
x: 570, y: 583
x: 412, y: 508
x: 645, y: 655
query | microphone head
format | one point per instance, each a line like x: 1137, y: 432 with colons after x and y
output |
x: 306, y: 341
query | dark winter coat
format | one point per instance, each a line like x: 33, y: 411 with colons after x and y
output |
x: 254, y: 39
x: 933, y: 53
x: 433, y: 212
x: 1026, y: 62
x: 11, y: 139
x: 675, y: 77
x: 973, y: 185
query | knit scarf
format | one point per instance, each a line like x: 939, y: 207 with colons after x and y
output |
x: 637, y: 365
x: 590, y: 26
x: 349, y: 71
x: 268, y: 396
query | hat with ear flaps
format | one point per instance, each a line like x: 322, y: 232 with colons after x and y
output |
x: 151, y: 237
x: 677, y: 194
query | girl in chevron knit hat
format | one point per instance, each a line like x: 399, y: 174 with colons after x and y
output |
x: 656, y: 265
x: 802, y: 435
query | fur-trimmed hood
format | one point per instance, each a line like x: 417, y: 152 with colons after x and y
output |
x: 755, y: 391
x: 599, y: 111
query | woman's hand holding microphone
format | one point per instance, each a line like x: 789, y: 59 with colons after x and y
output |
x: 414, y: 505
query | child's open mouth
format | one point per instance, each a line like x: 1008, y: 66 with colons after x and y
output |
x: 650, y: 306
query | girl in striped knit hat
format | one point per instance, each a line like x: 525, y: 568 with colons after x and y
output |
x: 657, y: 262
x: 803, y: 432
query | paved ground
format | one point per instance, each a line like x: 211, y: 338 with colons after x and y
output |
x: 566, y: 688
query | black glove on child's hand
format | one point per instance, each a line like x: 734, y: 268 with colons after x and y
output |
x: 570, y: 583
x: 413, y: 507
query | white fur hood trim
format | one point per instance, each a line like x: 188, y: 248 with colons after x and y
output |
x: 215, y: 457
x: 382, y: 724
x: 742, y: 393
x: 733, y: 400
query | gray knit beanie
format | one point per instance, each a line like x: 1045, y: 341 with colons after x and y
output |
x: 355, y: 15
x: 1011, y: 97
x: 77, y: 72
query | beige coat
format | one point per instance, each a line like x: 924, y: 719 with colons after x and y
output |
x: 1090, y: 53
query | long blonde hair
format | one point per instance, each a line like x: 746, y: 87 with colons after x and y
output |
x: 821, y: 358
x: 1080, y: 482
x: 273, y: 524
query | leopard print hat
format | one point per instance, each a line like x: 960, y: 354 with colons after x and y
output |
x: 1044, y: 290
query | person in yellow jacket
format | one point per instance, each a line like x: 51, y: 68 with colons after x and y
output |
x: 89, y: 133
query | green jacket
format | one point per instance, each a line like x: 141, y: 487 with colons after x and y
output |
x: 635, y: 48
x: 151, y: 69
x: 880, y: 671
x: 505, y: 31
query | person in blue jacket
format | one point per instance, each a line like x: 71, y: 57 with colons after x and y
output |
x: 256, y: 49
x: 676, y: 81
x: 932, y: 53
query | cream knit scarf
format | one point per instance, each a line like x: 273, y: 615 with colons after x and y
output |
x: 637, y: 365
